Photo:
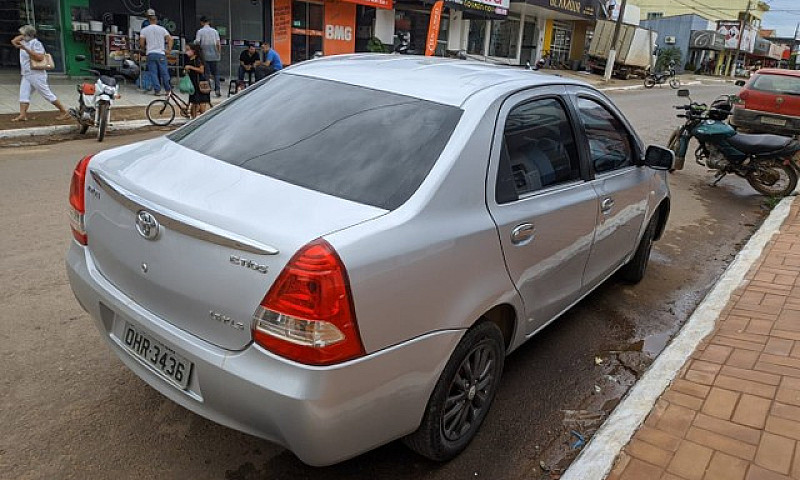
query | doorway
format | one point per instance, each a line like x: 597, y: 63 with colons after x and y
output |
x: 44, y: 16
x: 238, y: 24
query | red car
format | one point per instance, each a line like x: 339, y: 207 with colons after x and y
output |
x: 770, y: 103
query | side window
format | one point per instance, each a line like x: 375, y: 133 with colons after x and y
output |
x: 609, y: 143
x: 539, y: 147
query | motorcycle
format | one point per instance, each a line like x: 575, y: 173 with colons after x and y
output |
x: 653, y: 79
x: 765, y: 161
x: 95, y: 100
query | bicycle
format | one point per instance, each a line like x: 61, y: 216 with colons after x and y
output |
x: 161, y: 111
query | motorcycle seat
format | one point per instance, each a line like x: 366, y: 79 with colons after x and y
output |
x: 87, y: 89
x: 108, y: 81
x: 753, y: 144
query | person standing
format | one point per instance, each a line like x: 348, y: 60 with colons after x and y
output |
x: 152, y: 39
x: 30, y: 48
x: 247, y: 63
x: 195, y: 68
x: 208, y: 39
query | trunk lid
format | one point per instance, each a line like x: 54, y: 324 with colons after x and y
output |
x: 224, y: 234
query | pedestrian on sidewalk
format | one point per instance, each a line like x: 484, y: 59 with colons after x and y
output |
x: 195, y: 68
x: 30, y: 48
x: 152, y: 39
x: 208, y: 39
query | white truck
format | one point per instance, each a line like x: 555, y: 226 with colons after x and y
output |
x: 635, y: 47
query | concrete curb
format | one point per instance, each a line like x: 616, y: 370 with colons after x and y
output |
x: 19, y: 133
x: 597, y: 459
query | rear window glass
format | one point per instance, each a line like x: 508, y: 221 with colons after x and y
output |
x: 785, y: 84
x: 364, y: 145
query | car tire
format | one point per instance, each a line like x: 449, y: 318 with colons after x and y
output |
x: 458, y: 404
x: 633, y: 271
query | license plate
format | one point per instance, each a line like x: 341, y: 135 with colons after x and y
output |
x: 171, y: 365
x: 773, y: 121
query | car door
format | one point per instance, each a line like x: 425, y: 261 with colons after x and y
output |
x: 622, y: 186
x: 539, y: 197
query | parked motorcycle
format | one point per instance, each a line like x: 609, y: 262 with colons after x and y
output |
x: 652, y: 79
x: 765, y: 161
x: 95, y: 100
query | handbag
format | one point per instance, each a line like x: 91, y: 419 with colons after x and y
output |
x: 185, y: 85
x: 46, y: 63
x: 204, y: 86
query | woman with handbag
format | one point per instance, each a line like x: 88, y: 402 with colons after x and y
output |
x: 34, y: 63
x: 196, y: 69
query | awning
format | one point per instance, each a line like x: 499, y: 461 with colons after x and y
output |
x: 707, y: 40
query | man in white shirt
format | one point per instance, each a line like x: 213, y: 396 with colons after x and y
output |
x: 208, y: 39
x: 152, y: 39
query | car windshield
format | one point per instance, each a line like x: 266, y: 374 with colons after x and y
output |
x: 364, y: 145
x: 786, y: 84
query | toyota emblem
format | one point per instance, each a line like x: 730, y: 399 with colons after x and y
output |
x: 147, y: 225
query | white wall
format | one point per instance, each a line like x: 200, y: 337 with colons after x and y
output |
x: 384, y: 25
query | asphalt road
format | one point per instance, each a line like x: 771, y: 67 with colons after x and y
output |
x: 70, y: 409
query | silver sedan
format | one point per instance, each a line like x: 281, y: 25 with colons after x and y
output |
x: 344, y: 254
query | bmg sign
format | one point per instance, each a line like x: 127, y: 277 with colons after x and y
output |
x: 338, y: 32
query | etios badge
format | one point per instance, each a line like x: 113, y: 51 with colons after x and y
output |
x: 147, y: 225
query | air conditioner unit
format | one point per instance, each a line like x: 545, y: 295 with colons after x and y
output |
x: 669, y: 40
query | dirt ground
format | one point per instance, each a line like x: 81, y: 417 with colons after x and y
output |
x: 70, y: 409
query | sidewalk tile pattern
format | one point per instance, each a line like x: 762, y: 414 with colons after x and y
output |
x: 733, y: 411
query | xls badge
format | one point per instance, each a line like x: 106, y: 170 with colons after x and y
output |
x: 147, y: 225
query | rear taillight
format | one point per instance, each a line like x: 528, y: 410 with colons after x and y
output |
x: 308, y: 316
x: 77, y: 204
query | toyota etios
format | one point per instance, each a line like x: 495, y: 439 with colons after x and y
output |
x: 344, y: 254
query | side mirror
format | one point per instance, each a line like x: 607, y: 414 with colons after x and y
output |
x: 80, y: 58
x: 739, y: 83
x: 659, y: 158
x: 683, y: 92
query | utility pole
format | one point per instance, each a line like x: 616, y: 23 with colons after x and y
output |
x: 612, y: 54
x: 741, y: 35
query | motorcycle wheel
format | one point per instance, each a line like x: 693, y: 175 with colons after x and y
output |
x: 160, y: 112
x: 773, y: 178
x: 103, y: 117
x: 674, y: 83
x: 649, y: 82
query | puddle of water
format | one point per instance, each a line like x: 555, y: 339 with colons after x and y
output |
x: 653, y: 344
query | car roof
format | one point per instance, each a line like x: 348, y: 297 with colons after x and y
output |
x: 441, y: 80
x: 778, y: 71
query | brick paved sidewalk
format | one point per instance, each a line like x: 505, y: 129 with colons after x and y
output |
x: 733, y: 411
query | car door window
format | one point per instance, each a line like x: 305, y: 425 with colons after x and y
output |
x: 538, y: 149
x: 609, y: 143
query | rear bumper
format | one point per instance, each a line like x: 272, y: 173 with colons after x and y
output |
x: 753, y: 120
x: 322, y: 414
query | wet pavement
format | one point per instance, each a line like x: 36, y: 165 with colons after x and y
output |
x: 70, y: 409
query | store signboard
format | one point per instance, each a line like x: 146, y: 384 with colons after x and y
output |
x: 497, y: 7
x: 730, y: 30
x: 385, y: 4
x: 282, y: 29
x: 581, y: 8
x: 340, y: 28
x: 707, y: 40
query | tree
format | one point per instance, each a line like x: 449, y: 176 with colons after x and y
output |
x: 667, y: 55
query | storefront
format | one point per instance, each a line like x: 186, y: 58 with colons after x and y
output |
x: 44, y: 15
x: 304, y: 28
x: 704, y: 49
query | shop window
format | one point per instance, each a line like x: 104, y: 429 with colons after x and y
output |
x: 477, y: 36
x: 412, y: 25
x: 307, y: 29
x: 654, y: 15
x: 503, y: 42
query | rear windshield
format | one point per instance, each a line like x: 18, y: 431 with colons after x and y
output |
x: 788, y: 85
x: 363, y: 145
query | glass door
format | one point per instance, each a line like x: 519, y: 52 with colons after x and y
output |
x: 307, y: 26
x: 42, y: 14
x: 217, y: 13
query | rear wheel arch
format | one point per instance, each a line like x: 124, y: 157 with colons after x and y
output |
x: 504, y: 316
x: 663, y: 214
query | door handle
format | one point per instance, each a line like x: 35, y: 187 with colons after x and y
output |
x: 606, y: 205
x: 523, y: 234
